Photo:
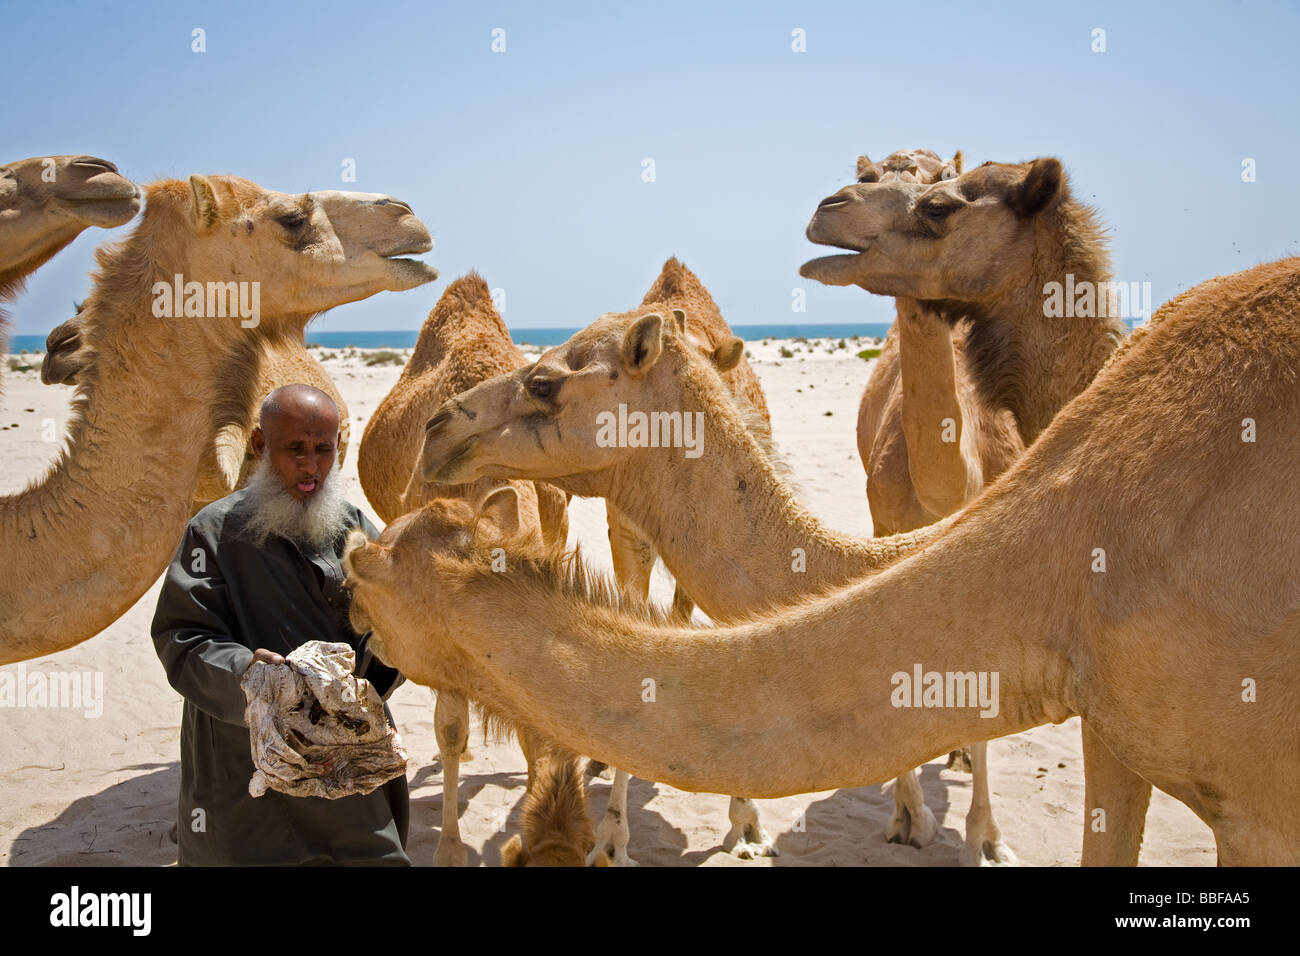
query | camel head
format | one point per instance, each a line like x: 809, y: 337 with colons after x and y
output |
x: 910, y: 166
x: 551, y: 420
x: 961, y: 239
x: 46, y: 202
x: 382, y: 574
x: 303, y: 254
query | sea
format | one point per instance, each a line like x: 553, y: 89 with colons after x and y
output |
x: 405, y: 338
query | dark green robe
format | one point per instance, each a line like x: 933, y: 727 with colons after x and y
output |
x: 221, y: 599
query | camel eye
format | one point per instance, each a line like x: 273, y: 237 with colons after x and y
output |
x: 948, y: 173
x: 870, y: 176
x: 541, y: 388
x: 937, y: 213
x: 293, y: 221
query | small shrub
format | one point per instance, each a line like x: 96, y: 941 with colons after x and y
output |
x: 385, y: 357
x: 869, y: 354
x: 786, y: 353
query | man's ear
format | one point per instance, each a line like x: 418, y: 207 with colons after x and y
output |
x: 203, y: 203
x: 1040, y: 186
x: 501, y: 508
x: 258, y: 441
x: 643, y: 343
x: 727, y: 355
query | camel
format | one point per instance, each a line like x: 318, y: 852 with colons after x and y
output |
x: 969, y: 376
x: 910, y: 166
x: 150, y: 406
x: 937, y: 422
x: 462, y: 342
x: 1175, y: 467
x: 557, y: 830
x: 229, y: 462
x: 758, y: 576
x: 45, y: 203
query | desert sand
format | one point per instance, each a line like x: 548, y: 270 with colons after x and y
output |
x: 84, y: 788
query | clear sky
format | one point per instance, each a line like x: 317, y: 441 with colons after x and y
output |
x: 527, y: 164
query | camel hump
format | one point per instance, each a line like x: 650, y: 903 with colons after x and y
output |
x: 675, y: 281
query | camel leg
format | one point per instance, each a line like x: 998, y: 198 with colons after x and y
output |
x: 613, y: 830
x: 913, y: 822
x: 984, y: 845
x: 1114, y: 836
x: 465, y: 755
x: 683, y: 607
x: 747, y: 839
x: 451, y: 727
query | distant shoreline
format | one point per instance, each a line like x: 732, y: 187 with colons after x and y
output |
x: 405, y: 338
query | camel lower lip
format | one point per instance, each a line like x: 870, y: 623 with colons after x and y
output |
x: 826, y: 260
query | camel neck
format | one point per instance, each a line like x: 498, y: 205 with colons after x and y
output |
x: 920, y: 660
x: 102, y: 524
x: 727, y: 527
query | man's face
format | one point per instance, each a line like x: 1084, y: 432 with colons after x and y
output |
x: 301, y: 447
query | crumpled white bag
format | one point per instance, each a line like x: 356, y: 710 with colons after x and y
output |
x: 316, y: 730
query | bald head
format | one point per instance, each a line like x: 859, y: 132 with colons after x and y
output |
x: 299, y: 432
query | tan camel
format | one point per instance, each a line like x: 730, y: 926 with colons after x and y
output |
x: 148, y: 409
x: 557, y: 830
x: 228, y: 463
x: 45, y: 203
x: 679, y: 290
x: 937, y: 422
x: 761, y: 507
x: 910, y: 166
x: 1175, y: 468
x: 969, y: 376
x: 462, y: 342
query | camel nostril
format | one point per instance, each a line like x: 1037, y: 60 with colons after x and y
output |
x: 437, y: 421
x: 390, y: 201
x: 91, y: 162
x: 831, y: 201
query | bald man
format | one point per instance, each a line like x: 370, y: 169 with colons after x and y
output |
x: 256, y: 575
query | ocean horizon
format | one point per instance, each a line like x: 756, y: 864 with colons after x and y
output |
x: 405, y: 338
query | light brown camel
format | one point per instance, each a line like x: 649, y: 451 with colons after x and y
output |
x: 149, y: 408
x: 970, y: 375
x: 680, y: 292
x: 228, y: 463
x: 766, y: 579
x: 45, y: 203
x: 1175, y: 467
x: 462, y: 342
x: 937, y: 422
x: 557, y: 830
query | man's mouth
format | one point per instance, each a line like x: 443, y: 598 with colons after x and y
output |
x: 307, y: 486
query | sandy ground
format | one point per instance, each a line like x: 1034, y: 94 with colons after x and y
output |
x: 79, y: 789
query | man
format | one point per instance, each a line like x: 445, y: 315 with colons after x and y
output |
x: 258, y: 574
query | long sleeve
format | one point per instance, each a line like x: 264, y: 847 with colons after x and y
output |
x: 192, y: 633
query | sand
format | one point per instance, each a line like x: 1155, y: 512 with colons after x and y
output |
x: 85, y: 789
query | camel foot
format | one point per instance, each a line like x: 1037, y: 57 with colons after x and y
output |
x: 988, y: 852
x: 918, y: 832
x: 749, y: 842
x: 450, y: 853
x: 959, y: 760
x: 612, y: 833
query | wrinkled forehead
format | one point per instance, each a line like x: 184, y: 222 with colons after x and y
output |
x: 439, y: 522
x: 601, y: 339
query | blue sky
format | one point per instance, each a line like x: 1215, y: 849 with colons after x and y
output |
x: 526, y: 165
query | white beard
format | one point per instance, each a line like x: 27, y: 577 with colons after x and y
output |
x: 316, y: 522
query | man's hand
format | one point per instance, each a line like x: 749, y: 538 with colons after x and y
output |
x: 269, y: 657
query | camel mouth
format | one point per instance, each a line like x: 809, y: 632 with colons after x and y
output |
x: 833, y: 270
x: 448, y: 468
x: 410, y: 273
x: 105, y: 211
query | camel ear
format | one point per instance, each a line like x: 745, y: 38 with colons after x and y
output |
x: 501, y: 508
x: 680, y: 318
x: 1040, y: 186
x: 958, y: 162
x: 727, y: 355
x: 513, y: 853
x: 203, y: 203
x: 864, y: 169
x: 643, y: 342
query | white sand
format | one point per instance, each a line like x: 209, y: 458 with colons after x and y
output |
x: 79, y: 790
